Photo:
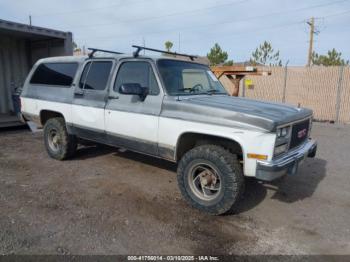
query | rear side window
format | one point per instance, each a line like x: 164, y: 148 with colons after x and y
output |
x: 57, y: 74
x: 95, y: 75
x: 137, y: 72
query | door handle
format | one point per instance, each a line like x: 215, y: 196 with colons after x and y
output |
x: 79, y: 93
x: 113, y: 97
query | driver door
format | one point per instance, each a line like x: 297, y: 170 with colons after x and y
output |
x: 131, y: 122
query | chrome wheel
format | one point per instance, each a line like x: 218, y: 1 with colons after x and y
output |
x: 205, y: 181
x: 54, y: 140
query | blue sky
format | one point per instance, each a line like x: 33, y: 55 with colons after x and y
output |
x: 239, y: 26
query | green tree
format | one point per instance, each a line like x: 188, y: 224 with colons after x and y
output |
x: 168, y: 45
x: 266, y: 55
x: 75, y: 47
x: 217, y: 56
x: 333, y: 58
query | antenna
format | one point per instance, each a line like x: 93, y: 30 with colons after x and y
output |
x: 139, y: 48
x: 94, y: 50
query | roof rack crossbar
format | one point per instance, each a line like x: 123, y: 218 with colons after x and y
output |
x: 140, y: 48
x: 94, y: 50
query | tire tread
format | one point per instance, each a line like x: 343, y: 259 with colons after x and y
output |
x: 234, y: 177
x: 69, y: 142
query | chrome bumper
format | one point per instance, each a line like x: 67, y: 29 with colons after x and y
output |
x: 286, y: 164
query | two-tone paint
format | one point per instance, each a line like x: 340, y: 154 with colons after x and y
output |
x: 155, y: 126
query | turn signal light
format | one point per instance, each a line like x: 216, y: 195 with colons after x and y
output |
x: 257, y: 156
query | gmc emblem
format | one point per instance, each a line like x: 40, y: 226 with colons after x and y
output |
x: 302, y: 133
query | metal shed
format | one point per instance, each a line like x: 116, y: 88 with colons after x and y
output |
x: 21, y: 46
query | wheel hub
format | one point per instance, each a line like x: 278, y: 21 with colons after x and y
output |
x: 204, y: 181
x: 207, y: 178
x: 54, y: 140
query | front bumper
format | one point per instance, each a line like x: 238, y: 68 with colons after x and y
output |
x: 286, y: 164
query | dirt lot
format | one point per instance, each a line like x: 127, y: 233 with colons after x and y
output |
x: 108, y: 202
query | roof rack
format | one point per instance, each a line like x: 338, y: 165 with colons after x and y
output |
x: 94, y: 50
x: 140, y: 48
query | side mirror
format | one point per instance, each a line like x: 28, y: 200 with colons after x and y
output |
x: 134, y: 89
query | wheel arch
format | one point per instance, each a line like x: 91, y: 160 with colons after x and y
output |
x: 47, y: 114
x: 188, y: 140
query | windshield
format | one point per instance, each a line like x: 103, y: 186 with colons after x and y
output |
x: 184, y: 78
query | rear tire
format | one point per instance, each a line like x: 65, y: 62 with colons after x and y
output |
x: 59, y: 144
x: 211, y: 179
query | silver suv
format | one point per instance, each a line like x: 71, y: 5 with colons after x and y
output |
x: 171, y: 109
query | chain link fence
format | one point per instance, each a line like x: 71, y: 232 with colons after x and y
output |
x: 326, y: 90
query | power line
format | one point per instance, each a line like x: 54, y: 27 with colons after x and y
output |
x: 331, y: 15
x: 208, y: 8
x: 225, y: 22
x: 163, y: 16
x: 87, y: 10
x: 257, y: 30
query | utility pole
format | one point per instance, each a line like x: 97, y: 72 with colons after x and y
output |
x: 311, y: 23
x: 30, y: 20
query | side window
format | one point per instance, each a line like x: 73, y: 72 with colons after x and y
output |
x: 137, y: 72
x: 95, y: 75
x: 57, y: 74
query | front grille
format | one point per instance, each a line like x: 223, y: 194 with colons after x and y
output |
x: 300, y: 133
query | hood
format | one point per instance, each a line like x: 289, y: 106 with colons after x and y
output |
x: 234, y: 111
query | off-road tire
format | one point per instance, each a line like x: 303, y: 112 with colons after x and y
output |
x: 68, y: 143
x: 230, y: 171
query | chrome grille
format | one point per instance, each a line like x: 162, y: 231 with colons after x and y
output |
x: 300, y: 132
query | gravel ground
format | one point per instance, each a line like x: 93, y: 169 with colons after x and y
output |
x: 109, y: 202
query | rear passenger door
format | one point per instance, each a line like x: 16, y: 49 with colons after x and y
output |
x: 90, y: 98
x: 131, y: 122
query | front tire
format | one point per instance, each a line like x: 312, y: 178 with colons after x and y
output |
x: 59, y: 144
x: 210, y: 179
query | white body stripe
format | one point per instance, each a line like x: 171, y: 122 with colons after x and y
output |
x: 139, y: 126
x: 89, y: 117
x: 161, y: 130
x: 35, y: 106
x: 171, y: 129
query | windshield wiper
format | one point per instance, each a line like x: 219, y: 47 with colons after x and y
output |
x: 213, y: 91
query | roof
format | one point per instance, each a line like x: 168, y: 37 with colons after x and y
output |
x: 24, y: 30
x: 79, y: 59
x: 63, y: 59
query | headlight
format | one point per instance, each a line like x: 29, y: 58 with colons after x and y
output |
x: 283, y: 132
x: 280, y: 149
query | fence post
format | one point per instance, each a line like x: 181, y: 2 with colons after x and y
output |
x: 243, y: 90
x: 285, y: 82
x: 340, y: 81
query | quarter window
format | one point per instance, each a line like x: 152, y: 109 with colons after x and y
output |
x: 137, y: 72
x: 95, y: 75
x: 57, y: 74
